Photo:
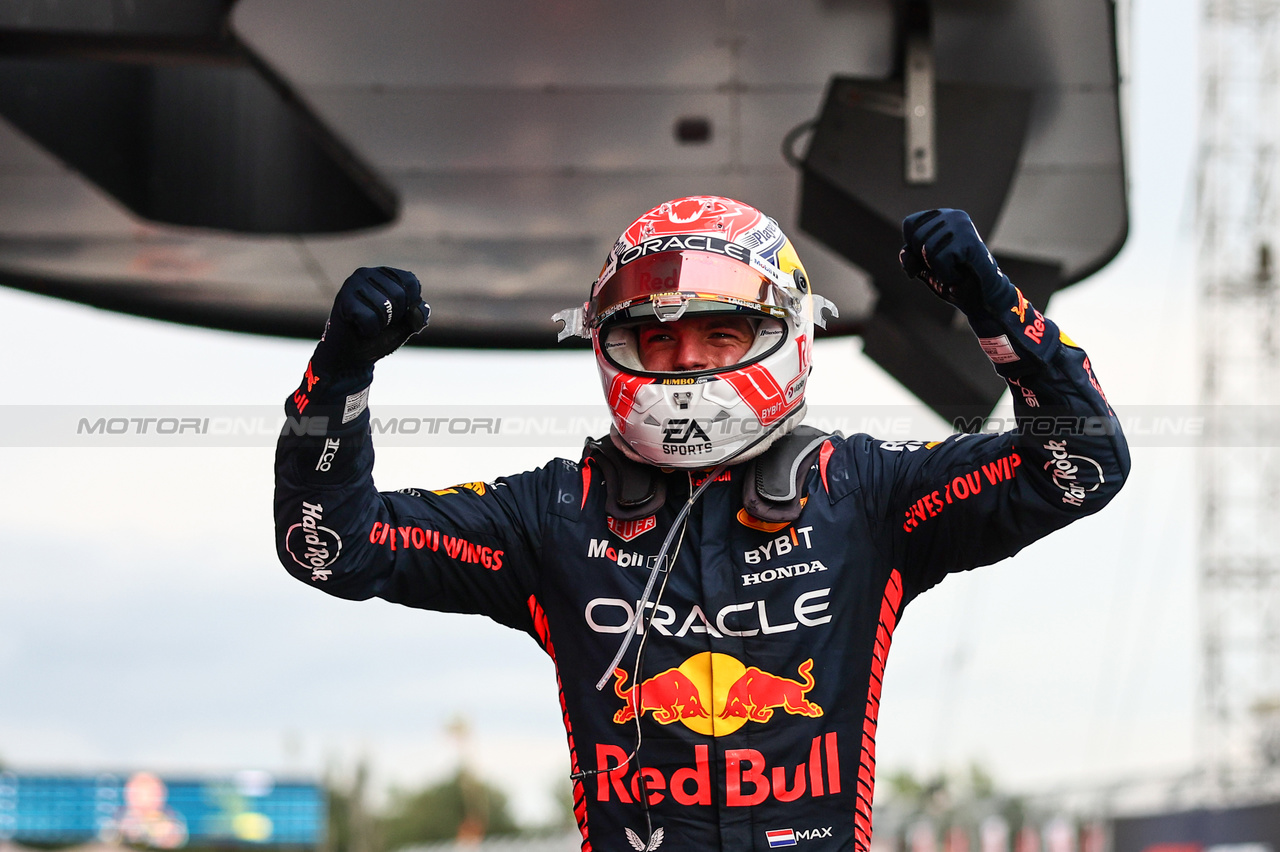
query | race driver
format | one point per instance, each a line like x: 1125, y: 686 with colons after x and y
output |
x: 716, y: 585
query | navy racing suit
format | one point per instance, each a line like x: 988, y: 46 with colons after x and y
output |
x: 760, y: 688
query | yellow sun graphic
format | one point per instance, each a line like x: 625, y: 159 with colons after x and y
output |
x: 713, y: 674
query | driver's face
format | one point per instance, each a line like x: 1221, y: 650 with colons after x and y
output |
x: 695, y: 343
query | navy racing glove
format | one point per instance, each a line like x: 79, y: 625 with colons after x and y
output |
x: 942, y: 248
x: 374, y: 313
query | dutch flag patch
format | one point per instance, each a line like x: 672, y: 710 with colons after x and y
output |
x: 781, y: 837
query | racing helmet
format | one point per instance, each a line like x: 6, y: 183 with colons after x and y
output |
x: 688, y: 258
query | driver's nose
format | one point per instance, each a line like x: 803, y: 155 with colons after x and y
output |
x: 691, y: 353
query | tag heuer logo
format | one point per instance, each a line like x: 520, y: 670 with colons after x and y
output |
x: 627, y: 530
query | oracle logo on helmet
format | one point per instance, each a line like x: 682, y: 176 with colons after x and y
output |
x: 684, y: 242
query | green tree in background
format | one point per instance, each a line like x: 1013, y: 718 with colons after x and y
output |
x: 460, y: 807
x: 351, y: 828
x: 565, y: 819
x: 961, y: 799
x: 463, y: 807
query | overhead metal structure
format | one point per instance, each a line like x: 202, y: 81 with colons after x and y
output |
x: 228, y: 163
x: 1239, y: 233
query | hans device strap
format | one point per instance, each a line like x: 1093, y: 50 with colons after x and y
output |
x: 772, y: 483
x: 632, y: 490
x: 773, y: 487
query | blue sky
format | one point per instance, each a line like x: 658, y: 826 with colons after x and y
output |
x: 144, y: 621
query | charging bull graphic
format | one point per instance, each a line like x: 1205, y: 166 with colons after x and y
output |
x: 715, y: 694
x: 757, y: 693
x: 670, y: 695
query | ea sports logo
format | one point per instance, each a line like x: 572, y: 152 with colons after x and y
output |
x: 681, y: 430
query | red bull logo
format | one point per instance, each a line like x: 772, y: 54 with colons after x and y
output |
x: 669, y: 696
x: 1021, y: 307
x: 750, y: 777
x: 757, y: 694
x: 715, y: 694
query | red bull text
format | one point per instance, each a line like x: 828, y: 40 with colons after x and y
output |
x: 749, y: 779
x: 715, y: 694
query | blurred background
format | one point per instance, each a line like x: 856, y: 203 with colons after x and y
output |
x: 182, y: 191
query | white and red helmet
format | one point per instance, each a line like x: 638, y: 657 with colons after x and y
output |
x: 695, y: 256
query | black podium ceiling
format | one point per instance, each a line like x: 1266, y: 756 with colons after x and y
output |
x: 227, y: 163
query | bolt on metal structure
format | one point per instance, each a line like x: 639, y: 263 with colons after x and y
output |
x: 1239, y: 550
